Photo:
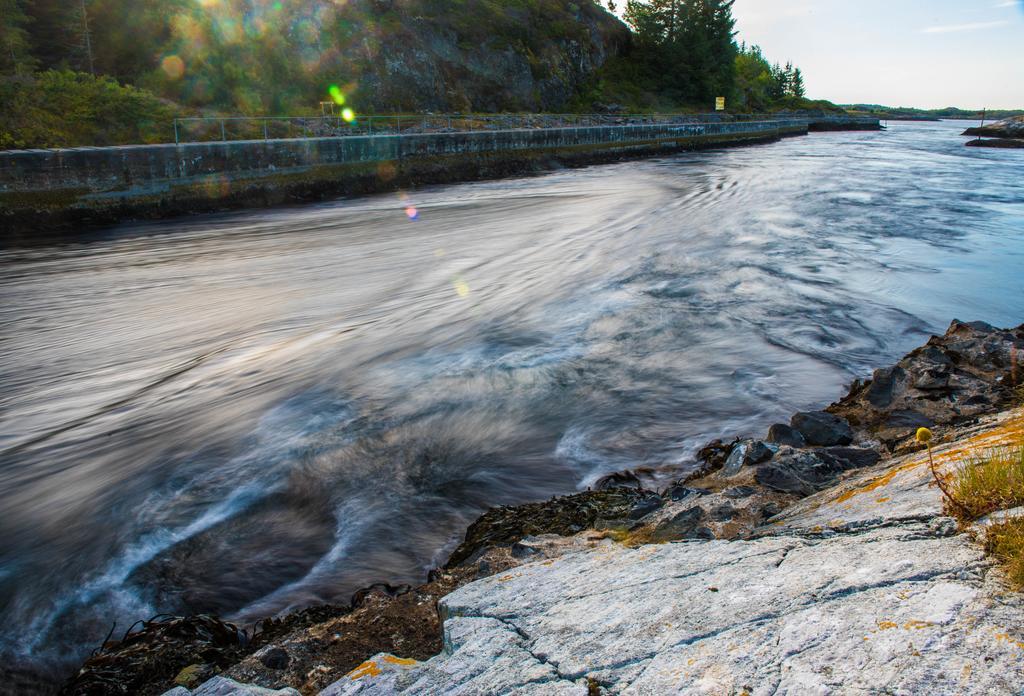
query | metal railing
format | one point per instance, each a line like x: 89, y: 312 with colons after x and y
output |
x: 231, y: 128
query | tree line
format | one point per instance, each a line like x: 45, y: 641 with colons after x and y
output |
x: 687, y: 50
x: 103, y: 71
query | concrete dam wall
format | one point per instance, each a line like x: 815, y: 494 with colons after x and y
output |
x: 92, y: 185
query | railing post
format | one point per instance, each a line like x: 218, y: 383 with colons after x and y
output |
x: 265, y: 130
x: 176, y: 131
x: 370, y: 124
x: 223, y: 136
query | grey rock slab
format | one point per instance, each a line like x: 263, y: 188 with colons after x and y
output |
x: 220, y: 686
x: 842, y: 614
x: 493, y: 658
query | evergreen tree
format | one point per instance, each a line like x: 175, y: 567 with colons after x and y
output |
x: 797, y: 87
x: 15, y: 54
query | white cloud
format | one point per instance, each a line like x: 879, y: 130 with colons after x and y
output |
x: 949, y: 28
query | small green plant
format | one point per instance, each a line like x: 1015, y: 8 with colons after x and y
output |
x: 985, y: 484
x: 924, y: 436
x: 1005, y: 541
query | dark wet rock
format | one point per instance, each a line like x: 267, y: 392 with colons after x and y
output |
x: 850, y: 457
x: 688, y: 524
x: 737, y: 492
x: 273, y: 657
x: 723, y: 513
x: 781, y: 434
x: 503, y: 526
x: 646, y: 507
x: 885, y: 382
x: 746, y: 453
x: 678, y: 492
x: 954, y: 378
x: 910, y: 420
x: 805, y: 472
x: 822, y: 428
x: 1003, y: 143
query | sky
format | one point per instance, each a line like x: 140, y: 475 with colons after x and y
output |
x: 922, y: 53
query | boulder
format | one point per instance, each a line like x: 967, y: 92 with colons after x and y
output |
x: 822, y: 428
x: 273, y: 657
x: 782, y: 434
x: 746, y: 453
x: 804, y: 472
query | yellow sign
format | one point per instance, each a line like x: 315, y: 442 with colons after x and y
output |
x: 720, y: 104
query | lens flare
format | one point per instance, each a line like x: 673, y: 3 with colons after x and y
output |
x: 461, y: 288
x: 348, y: 115
x: 173, y: 67
x: 412, y: 213
x: 336, y: 94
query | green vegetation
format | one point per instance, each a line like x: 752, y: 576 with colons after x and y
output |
x: 61, y: 108
x: 94, y: 72
x: 1005, y: 542
x: 989, y: 484
x: 951, y: 112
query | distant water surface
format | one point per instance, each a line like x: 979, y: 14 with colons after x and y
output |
x: 254, y: 412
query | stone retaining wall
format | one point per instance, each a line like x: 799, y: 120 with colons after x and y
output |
x: 103, y: 184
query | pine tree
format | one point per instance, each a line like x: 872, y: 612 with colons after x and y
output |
x: 797, y: 86
x: 15, y: 54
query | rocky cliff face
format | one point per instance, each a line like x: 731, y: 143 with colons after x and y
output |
x: 474, y: 55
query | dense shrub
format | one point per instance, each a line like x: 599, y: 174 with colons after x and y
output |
x: 62, y: 108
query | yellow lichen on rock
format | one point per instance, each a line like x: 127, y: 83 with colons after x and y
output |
x: 367, y: 669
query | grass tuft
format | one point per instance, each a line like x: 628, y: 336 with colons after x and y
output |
x: 994, y: 481
x: 1005, y: 541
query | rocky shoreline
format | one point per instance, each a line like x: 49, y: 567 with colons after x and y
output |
x: 756, y: 548
x: 1008, y: 133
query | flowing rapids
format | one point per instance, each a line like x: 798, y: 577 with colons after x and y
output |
x: 254, y: 412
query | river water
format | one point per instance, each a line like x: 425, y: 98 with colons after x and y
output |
x: 252, y: 412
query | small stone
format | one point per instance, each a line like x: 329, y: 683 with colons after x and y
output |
x: 679, y: 492
x: 747, y: 453
x: 737, y: 492
x: 274, y: 657
x: 781, y: 434
x: 723, y: 513
x: 822, y: 428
